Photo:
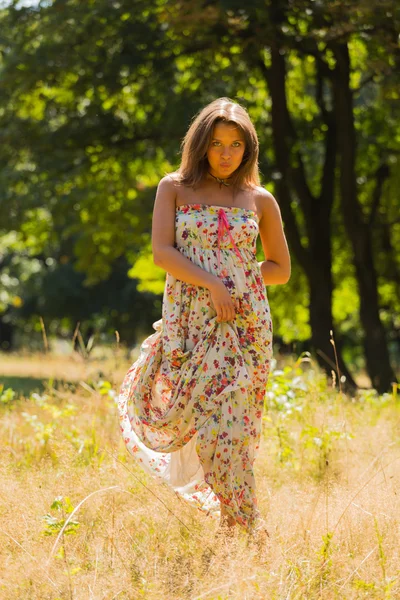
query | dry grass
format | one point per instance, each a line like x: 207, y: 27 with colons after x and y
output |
x: 328, y: 485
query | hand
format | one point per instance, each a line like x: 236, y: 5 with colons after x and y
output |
x: 222, y: 302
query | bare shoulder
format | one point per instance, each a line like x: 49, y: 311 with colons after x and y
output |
x: 164, y: 204
x: 163, y: 222
x: 267, y: 206
x: 169, y: 182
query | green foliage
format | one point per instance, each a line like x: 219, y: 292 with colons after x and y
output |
x: 325, y: 553
x: 299, y: 440
x: 51, y: 288
x: 95, y: 99
x: 359, y: 584
x: 150, y: 277
x: 371, y: 397
x: 291, y: 322
x: 48, y: 419
x: 6, y: 395
x: 288, y: 387
x: 322, y: 441
x: 54, y: 524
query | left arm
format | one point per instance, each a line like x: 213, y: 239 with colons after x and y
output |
x: 276, y: 268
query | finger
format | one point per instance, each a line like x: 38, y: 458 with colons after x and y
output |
x: 226, y: 312
x: 229, y: 311
x: 223, y: 313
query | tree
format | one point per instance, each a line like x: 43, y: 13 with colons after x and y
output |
x: 97, y: 96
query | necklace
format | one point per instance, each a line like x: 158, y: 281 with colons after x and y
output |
x: 220, y: 181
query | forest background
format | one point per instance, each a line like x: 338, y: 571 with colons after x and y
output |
x: 95, y: 98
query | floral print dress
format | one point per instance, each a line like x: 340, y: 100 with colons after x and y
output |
x: 191, y: 404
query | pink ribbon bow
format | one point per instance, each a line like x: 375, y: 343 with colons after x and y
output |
x: 223, y: 223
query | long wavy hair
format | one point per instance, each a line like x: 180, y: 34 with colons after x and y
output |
x: 194, y: 163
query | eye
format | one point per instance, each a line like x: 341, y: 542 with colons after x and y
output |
x: 237, y: 144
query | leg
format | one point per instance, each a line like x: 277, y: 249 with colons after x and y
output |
x: 226, y: 520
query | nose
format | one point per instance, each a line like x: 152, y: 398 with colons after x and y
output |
x: 225, y: 152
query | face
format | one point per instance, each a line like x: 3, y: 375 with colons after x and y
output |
x: 226, y: 149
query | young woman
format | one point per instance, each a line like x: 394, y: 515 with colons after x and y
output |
x: 191, y: 405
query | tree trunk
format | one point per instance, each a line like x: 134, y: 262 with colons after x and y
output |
x: 375, y: 345
x: 316, y: 260
x: 319, y: 273
x: 6, y: 336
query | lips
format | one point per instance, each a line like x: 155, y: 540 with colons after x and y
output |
x: 225, y: 165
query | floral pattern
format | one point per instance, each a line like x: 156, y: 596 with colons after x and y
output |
x: 191, y: 404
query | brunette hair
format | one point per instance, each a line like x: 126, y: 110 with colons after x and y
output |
x: 194, y: 164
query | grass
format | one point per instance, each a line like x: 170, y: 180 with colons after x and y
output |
x: 24, y: 385
x: 80, y: 520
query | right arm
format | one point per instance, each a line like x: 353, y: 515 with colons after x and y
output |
x: 166, y: 256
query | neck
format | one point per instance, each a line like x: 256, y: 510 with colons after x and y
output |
x: 221, y: 180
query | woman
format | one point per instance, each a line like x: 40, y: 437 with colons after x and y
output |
x: 191, y: 405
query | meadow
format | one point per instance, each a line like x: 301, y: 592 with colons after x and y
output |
x: 79, y: 520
